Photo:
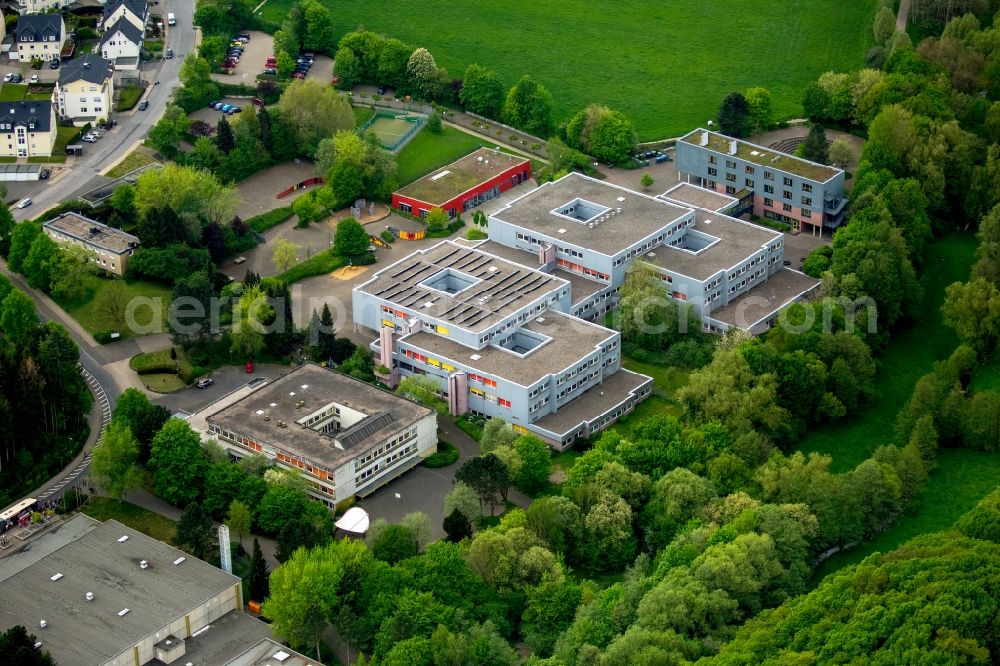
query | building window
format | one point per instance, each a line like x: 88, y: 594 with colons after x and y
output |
x: 807, y: 201
x: 787, y: 181
x: 768, y: 175
x: 712, y: 171
x: 768, y: 202
x: 406, y: 208
x: 750, y: 170
x: 806, y: 187
x: 786, y: 207
x: 504, y: 403
x: 786, y: 195
x: 710, y: 184
x: 711, y: 159
x: 730, y: 189
x: 731, y: 177
x: 807, y: 213
x: 730, y: 164
x: 749, y: 182
x: 769, y: 189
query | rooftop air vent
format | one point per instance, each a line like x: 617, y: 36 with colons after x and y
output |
x: 123, y: 612
x: 540, y: 320
x: 704, y: 139
x: 620, y: 199
x: 475, y: 357
x: 56, y: 576
x: 304, y: 387
x: 123, y: 539
x: 89, y: 596
x: 259, y: 412
x: 267, y: 417
x: 42, y: 624
x: 651, y: 254
x: 493, y: 269
x: 143, y: 564
x: 732, y: 147
x: 562, y: 231
x: 179, y: 559
x: 281, y: 656
x: 479, y: 159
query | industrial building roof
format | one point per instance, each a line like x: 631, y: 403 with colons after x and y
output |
x: 93, y: 233
x: 764, y: 300
x: 462, y: 175
x: 51, y: 580
x: 765, y: 157
x: 270, y: 415
x: 605, y: 218
x: 270, y: 653
x: 686, y: 194
x: 738, y: 240
x: 571, y: 339
x: 459, y: 285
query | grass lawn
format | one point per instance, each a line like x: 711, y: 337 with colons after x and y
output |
x: 428, y: 151
x: 961, y: 479
x: 128, y: 97
x: 362, y: 114
x: 147, y: 522
x: 89, y: 313
x: 162, y: 382
x: 666, y: 65
x: 13, y: 92
x: 134, y: 160
x: 272, y: 218
x: 910, y: 356
x: 318, y: 264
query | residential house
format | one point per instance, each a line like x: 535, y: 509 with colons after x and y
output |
x: 136, y: 11
x: 85, y: 90
x: 27, y: 129
x: 38, y: 36
x: 121, y: 43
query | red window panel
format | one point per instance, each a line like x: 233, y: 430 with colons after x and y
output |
x: 504, y: 403
x: 490, y: 382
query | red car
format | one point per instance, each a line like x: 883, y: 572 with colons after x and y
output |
x: 257, y: 101
x: 249, y: 367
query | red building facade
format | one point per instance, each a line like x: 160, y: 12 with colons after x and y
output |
x: 464, y: 184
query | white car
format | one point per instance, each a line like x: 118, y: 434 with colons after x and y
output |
x: 89, y: 138
x: 24, y: 203
x: 7, y: 77
x: 34, y: 78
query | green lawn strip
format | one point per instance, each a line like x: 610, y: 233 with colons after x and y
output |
x: 473, y: 430
x: 627, y: 55
x: 132, y: 161
x: 128, y: 97
x: 962, y: 478
x: 318, y: 264
x: 428, y: 151
x: 147, y: 522
x: 910, y: 356
x: 89, y: 313
x: 161, y: 382
x: 272, y: 218
x: 362, y: 114
x: 13, y: 92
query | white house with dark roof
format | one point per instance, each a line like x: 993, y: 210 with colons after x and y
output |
x: 38, y: 6
x: 38, y: 36
x: 85, y: 89
x: 27, y: 129
x: 121, y: 44
x: 135, y: 11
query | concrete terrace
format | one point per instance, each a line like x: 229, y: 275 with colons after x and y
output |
x: 460, y: 176
x: 738, y: 239
x: 765, y: 157
x: 636, y: 216
x: 571, y: 338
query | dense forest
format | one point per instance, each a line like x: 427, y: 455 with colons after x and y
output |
x: 44, y: 400
x: 695, y: 537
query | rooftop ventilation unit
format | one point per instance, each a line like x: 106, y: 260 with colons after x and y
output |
x: 89, y: 596
x: 123, y: 539
x: 281, y: 656
x: 562, y: 231
x: 95, y: 230
x: 620, y: 199
x: 704, y: 139
x: 267, y: 417
x: 755, y: 153
x: 540, y: 320
x: 143, y: 564
x: 492, y: 269
x: 475, y: 357
x: 479, y: 159
x: 282, y: 424
x: 438, y: 176
x: 42, y: 624
x: 732, y: 147
x: 650, y: 254
x: 179, y: 559
x: 56, y: 576
x: 123, y: 612
x: 304, y: 387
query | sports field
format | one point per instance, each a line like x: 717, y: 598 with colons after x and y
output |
x: 666, y: 64
x: 390, y: 131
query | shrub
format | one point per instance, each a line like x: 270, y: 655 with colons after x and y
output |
x: 446, y: 455
x: 387, y: 237
x: 102, y: 337
x: 273, y: 218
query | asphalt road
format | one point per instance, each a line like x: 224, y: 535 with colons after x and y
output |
x: 132, y: 125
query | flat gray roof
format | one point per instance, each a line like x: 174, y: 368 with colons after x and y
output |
x: 686, y: 194
x: 500, y: 287
x: 93, y: 233
x: 582, y: 286
x: 271, y: 653
x: 307, y: 389
x: 594, y: 402
x: 444, y: 184
x: 20, y: 168
x: 765, y: 157
x: 572, y: 339
x: 765, y: 299
x: 738, y: 239
x: 81, y: 632
x: 640, y: 216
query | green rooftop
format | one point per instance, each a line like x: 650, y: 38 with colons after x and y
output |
x: 765, y: 157
x: 444, y: 184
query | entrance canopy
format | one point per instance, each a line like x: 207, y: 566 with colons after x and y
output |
x: 355, y: 520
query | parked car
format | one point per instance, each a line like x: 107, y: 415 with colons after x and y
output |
x: 169, y: 54
x: 245, y: 34
x: 89, y: 138
x: 17, y: 78
x: 248, y: 366
x: 143, y: 105
x: 214, y: 105
x: 34, y: 78
x: 205, y: 382
x: 257, y: 101
x: 54, y: 63
x: 270, y: 70
x: 26, y: 201
x: 44, y: 174
x: 8, y: 76
x: 381, y: 90
x: 224, y: 107
x: 235, y: 110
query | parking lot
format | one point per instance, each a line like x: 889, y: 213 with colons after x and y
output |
x: 251, y: 62
x: 211, y: 116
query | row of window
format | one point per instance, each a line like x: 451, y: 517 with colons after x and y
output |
x: 383, y: 464
x: 768, y: 175
x: 482, y: 380
x: 577, y: 384
x: 656, y: 241
x: 401, y: 438
x: 578, y: 268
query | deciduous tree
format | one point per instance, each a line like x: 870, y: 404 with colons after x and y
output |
x: 482, y: 91
x: 178, y: 463
x: 195, y: 532
x: 529, y: 107
x: 733, y: 114
x: 113, y: 464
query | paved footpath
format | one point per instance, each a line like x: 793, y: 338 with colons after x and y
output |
x: 903, y: 15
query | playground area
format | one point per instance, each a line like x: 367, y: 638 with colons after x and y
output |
x: 392, y: 130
